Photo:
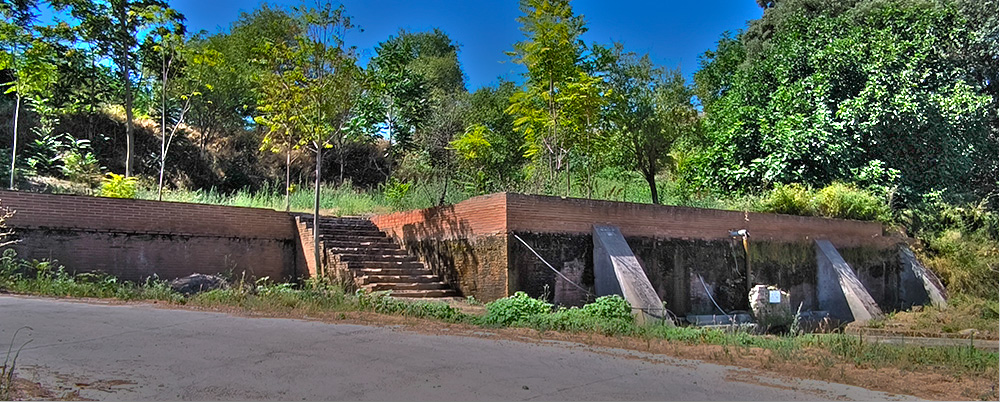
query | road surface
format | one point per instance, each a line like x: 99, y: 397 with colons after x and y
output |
x: 141, y: 352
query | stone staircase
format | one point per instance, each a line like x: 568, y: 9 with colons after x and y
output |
x: 356, y: 246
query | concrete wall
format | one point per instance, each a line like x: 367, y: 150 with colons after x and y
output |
x: 540, y: 214
x: 133, y: 239
x: 472, y: 244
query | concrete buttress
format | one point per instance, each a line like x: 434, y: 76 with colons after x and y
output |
x: 617, y: 271
x: 839, y: 290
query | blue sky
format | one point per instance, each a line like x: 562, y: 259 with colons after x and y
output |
x: 674, y: 33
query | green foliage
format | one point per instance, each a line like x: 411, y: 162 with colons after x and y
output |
x: 9, y: 365
x: 395, y: 191
x: 789, y: 199
x: 960, y: 245
x: 381, y: 302
x: 650, y: 109
x: 80, y: 166
x: 610, y: 315
x: 859, y: 92
x: 838, y: 200
x: 118, y: 186
x: 51, y: 279
x: 514, y: 309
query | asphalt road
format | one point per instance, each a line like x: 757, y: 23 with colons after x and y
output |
x: 141, y: 352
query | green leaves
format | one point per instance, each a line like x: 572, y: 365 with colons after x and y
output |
x: 308, y: 84
x: 815, y: 94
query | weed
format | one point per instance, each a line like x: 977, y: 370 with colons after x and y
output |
x: 9, y: 365
x: 514, y: 309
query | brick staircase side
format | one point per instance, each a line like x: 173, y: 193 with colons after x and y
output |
x: 356, y: 249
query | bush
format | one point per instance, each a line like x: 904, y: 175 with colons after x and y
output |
x: 838, y: 200
x: 959, y: 244
x: 611, y: 315
x: 396, y: 191
x: 118, y: 186
x: 790, y: 199
x: 846, y: 201
x: 514, y: 309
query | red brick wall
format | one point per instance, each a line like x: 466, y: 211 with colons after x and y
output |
x: 137, y: 238
x: 465, y: 243
x: 478, y: 216
x: 540, y: 214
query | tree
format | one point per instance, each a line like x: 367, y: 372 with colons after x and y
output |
x: 311, y: 89
x: 551, y: 51
x: 398, y: 95
x: 29, y: 59
x: 175, y: 65
x: 490, y: 151
x: 114, y: 28
x: 650, y: 109
x: 885, y: 94
x: 229, y: 104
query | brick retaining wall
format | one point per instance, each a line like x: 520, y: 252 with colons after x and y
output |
x: 133, y: 239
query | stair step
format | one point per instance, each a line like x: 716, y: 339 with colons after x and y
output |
x: 367, y: 251
x: 396, y: 286
x: 390, y: 271
x: 350, y: 226
x: 384, y: 264
x: 352, y: 257
x: 425, y: 293
x: 356, y: 237
x: 367, y: 279
x: 350, y: 234
x: 384, y: 243
x: 358, y: 242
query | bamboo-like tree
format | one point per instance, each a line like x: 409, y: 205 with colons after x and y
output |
x: 310, y: 90
x: 551, y: 51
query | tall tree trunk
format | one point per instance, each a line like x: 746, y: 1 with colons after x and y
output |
x: 123, y: 63
x: 163, y: 126
x: 447, y: 179
x: 316, y: 251
x: 650, y: 176
x: 388, y: 148
x: 13, y: 151
x: 569, y: 177
x: 288, y: 175
x: 340, y: 162
x: 129, y: 132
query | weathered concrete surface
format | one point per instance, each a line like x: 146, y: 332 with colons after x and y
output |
x: 917, y: 285
x: 139, y: 352
x: 617, y: 271
x: 838, y: 289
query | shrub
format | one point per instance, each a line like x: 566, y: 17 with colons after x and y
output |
x: 396, y: 191
x: 838, y: 200
x: 514, y: 309
x: 845, y: 201
x: 118, y: 186
x: 791, y: 199
x: 611, y: 315
x: 80, y: 166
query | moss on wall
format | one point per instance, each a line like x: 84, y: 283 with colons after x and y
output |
x: 676, y: 268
